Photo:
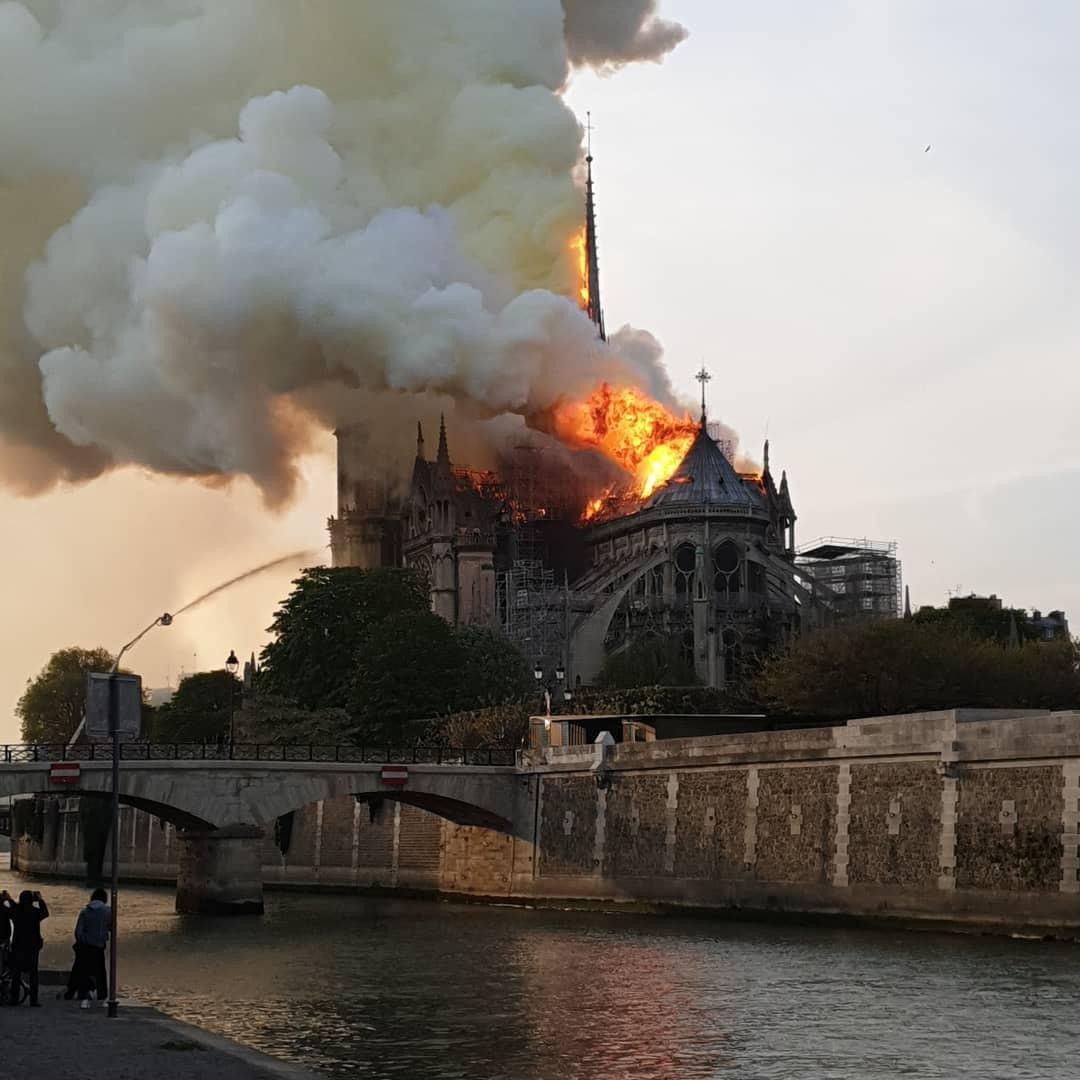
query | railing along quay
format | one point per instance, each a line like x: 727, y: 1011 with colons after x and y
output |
x: 478, y: 757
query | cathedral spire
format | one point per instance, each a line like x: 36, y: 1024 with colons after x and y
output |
x: 704, y: 378
x: 443, y: 456
x: 592, y: 261
x: 420, y: 441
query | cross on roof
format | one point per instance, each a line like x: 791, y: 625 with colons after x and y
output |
x: 703, y: 377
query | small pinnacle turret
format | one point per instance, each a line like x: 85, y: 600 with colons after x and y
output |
x: 420, y: 441
x: 443, y: 456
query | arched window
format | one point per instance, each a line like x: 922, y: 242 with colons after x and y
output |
x: 685, y: 561
x: 726, y: 559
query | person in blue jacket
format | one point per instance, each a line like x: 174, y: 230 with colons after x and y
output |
x: 92, y: 930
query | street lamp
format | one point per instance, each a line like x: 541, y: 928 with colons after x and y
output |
x: 560, y: 679
x: 232, y: 666
x: 114, y: 724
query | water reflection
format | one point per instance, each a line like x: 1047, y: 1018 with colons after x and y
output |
x: 376, y: 988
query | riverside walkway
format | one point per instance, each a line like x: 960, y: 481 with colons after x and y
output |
x: 60, y: 1039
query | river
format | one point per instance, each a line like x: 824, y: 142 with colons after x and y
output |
x: 393, y: 988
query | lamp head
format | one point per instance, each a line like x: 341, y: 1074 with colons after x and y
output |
x: 232, y: 665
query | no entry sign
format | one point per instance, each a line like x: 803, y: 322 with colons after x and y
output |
x: 65, y: 772
x: 394, y: 775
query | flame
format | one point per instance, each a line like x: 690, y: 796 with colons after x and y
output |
x: 637, y: 433
x: 580, y: 246
x: 592, y: 509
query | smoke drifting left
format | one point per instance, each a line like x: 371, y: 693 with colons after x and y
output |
x: 261, y: 220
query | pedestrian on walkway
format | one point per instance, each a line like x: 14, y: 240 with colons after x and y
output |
x: 7, y: 910
x: 26, y: 942
x: 89, y: 977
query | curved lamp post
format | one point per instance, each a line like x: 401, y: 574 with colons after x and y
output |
x: 162, y: 620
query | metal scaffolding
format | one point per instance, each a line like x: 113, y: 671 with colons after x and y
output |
x: 857, y: 578
x: 533, y: 612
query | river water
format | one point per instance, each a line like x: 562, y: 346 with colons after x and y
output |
x: 386, y: 988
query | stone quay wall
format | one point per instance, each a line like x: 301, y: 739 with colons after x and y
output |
x: 959, y: 818
x: 966, y: 817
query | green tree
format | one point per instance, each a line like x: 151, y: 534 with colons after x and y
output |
x: 650, y: 661
x: 495, y: 671
x: 896, y: 666
x: 408, y: 667
x: 52, y: 704
x: 199, y: 710
x: 1003, y: 625
x: 319, y: 627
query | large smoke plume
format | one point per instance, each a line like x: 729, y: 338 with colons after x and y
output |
x: 224, y: 223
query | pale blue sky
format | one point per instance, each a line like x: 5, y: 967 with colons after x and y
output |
x: 902, y: 324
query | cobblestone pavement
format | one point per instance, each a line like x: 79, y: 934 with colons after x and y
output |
x: 62, y: 1040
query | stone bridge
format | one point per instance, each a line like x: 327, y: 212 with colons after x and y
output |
x: 221, y: 808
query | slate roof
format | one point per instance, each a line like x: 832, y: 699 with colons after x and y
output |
x: 705, y: 477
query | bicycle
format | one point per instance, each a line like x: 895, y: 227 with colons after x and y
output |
x: 7, y: 974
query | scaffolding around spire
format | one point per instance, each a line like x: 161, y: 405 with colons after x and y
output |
x: 592, y: 259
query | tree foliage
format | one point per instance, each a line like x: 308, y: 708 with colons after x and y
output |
x: 408, y: 667
x: 650, y: 661
x: 362, y: 657
x: 199, y: 710
x: 52, y: 704
x: 1003, y: 625
x: 495, y: 672
x: 896, y: 666
x: 319, y: 627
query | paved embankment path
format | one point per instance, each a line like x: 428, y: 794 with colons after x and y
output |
x: 62, y: 1040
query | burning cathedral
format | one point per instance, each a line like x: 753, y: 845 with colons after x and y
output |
x: 574, y: 570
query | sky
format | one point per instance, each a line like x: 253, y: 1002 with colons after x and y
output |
x: 901, y: 323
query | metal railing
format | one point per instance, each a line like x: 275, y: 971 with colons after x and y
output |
x: 479, y: 757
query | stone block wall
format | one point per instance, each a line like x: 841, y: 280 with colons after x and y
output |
x: 568, y: 826
x: 635, y: 826
x: 1009, y: 828
x: 710, y: 833
x: 894, y: 830
x: 477, y: 861
x: 796, y: 824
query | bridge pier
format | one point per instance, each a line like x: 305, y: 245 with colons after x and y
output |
x: 220, y: 871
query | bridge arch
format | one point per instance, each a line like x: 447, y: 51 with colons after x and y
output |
x: 214, y: 795
x: 169, y: 806
x: 465, y: 798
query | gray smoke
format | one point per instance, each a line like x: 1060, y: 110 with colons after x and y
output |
x: 227, y: 223
x: 609, y: 33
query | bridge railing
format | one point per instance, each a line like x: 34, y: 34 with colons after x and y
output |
x: 476, y: 757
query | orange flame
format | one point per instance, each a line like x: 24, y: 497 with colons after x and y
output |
x: 592, y: 509
x: 579, y: 245
x: 638, y: 434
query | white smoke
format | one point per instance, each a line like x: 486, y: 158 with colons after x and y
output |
x: 283, y: 199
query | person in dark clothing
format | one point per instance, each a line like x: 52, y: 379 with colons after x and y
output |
x: 7, y: 910
x: 26, y: 942
x: 88, y: 973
